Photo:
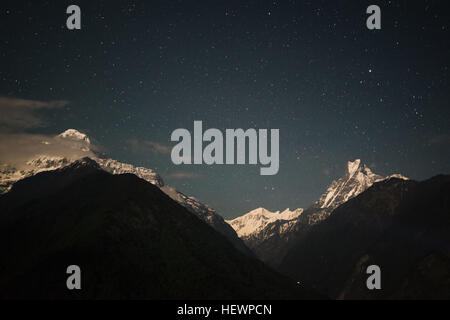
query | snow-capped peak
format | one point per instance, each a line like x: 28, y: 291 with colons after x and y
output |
x: 116, y: 167
x: 74, y: 134
x: 63, y: 151
x: 356, y: 180
x: 259, y: 218
x: 397, y: 175
x: 353, y: 166
x: 45, y: 162
x: 69, y: 147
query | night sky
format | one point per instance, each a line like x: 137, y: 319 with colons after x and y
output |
x: 137, y: 70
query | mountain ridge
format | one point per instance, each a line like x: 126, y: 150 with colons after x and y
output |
x: 257, y: 219
x: 129, y: 238
x: 81, y: 142
x: 273, y: 241
x: 403, y: 226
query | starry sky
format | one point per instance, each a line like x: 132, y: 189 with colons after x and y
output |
x: 137, y: 70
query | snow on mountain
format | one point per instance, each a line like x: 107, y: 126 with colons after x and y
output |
x: 257, y: 219
x: 270, y: 238
x: 81, y: 142
x: 357, y: 179
x: 75, y: 135
x: 207, y: 214
x: 43, y: 162
x: 75, y: 139
x: 116, y: 167
x: 9, y: 174
x: 396, y: 175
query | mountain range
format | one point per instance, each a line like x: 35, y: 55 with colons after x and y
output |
x: 256, y: 220
x: 73, y: 139
x: 270, y: 234
x: 130, y: 240
x: 363, y: 219
x: 402, y: 226
x: 136, y: 237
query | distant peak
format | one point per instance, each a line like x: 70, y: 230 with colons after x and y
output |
x: 367, y: 170
x: 260, y: 210
x: 257, y: 219
x: 74, y: 134
x: 84, y: 162
x: 398, y: 176
x: 353, y: 166
x: 358, y: 178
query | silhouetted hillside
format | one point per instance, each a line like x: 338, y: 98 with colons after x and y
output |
x: 129, y: 238
x: 402, y: 226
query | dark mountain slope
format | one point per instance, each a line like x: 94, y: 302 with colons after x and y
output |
x: 402, y: 226
x: 129, y: 238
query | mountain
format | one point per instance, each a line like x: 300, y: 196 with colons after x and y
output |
x: 255, y: 220
x: 400, y: 225
x: 75, y: 135
x: 208, y: 215
x: 72, y: 139
x: 357, y: 179
x: 49, y: 159
x: 9, y: 174
x: 130, y: 240
x: 116, y: 167
x: 272, y: 242
x: 265, y: 232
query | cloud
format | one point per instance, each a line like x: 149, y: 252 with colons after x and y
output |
x: 18, y: 148
x: 31, y: 104
x: 18, y: 114
x: 148, y: 146
x: 183, y: 175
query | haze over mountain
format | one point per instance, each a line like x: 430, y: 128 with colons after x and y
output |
x: 70, y: 145
x: 270, y: 235
x: 129, y: 238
